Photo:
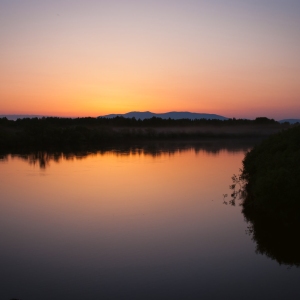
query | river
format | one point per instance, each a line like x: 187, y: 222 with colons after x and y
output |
x: 134, y: 223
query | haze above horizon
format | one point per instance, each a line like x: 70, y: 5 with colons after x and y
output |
x: 90, y: 58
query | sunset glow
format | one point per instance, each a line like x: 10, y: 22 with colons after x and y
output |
x: 90, y: 58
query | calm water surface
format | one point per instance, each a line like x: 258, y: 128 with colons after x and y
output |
x: 130, y: 225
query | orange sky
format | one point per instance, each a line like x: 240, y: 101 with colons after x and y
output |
x: 92, y: 58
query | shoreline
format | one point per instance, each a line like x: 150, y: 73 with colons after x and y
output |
x: 56, y: 133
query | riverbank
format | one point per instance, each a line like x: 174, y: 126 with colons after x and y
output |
x: 269, y: 189
x: 272, y: 174
x: 59, y: 133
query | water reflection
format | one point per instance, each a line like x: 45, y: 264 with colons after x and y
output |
x: 155, y: 149
x: 277, y: 237
x: 138, y: 222
x: 3, y: 157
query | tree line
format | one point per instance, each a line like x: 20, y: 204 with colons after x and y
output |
x: 130, y: 122
x: 55, y: 132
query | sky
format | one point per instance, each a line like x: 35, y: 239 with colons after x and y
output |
x: 73, y: 58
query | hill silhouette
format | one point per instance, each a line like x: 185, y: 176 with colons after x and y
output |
x: 169, y: 115
x: 291, y: 121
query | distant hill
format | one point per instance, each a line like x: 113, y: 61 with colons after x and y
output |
x: 291, y: 121
x: 15, y: 117
x: 172, y: 115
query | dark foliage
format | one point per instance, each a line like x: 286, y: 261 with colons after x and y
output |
x: 61, y: 133
x: 269, y: 189
x: 272, y: 172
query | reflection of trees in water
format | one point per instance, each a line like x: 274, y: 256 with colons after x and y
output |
x: 275, y: 235
x: 277, y: 238
x: 3, y: 157
x: 44, y: 158
x: 154, y: 149
x: 41, y: 158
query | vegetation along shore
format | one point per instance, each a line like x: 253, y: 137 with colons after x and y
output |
x: 270, y: 194
x: 272, y: 174
x: 53, y: 132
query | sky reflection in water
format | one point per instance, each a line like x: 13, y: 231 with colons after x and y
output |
x: 135, y: 224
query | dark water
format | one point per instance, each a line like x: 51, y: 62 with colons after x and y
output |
x: 134, y: 223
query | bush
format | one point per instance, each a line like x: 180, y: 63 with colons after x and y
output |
x: 272, y: 171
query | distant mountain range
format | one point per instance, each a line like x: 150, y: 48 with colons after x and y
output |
x: 291, y: 121
x: 147, y: 115
x: 172, y: 115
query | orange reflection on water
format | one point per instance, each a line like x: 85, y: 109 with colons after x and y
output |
x: 115, y: 186
x: 113, y: 211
